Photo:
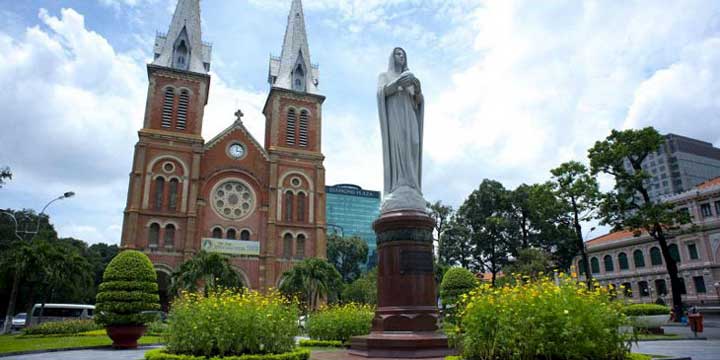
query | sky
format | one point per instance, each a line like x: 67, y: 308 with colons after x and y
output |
x: 512, y: 88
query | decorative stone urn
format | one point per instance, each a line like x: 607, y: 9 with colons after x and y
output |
x: 125, y: 336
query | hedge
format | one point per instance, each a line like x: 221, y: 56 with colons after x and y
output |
x: 162, y: 354
x: 129, y: 289
x: 457, y: 281
x: 321, y: 343
x: 62, y: 327
x: 646, y: 310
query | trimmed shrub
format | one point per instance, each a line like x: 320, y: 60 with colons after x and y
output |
x: 62, y: 327
x: 456, y: 282
x: 129, y: 289
x: 340, y: 322
x: 156, y: 328
x: 321, y: 343
x: 537, y: 319
x: 230, y: 323
x: 162, y: 354
x: 645, y: 309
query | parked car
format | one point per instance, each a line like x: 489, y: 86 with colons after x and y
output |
x: 18, y: 322
x: 60, y: 312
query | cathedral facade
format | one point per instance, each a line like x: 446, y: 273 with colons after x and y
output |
x: 261, y: 203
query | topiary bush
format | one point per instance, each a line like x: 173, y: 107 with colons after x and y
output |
x: 62, y: 327
x: 340, y: 322
x: 645, y: 310
x: 457, y: 281
x: 129, y: 290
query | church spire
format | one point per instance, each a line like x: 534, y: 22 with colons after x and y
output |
x: 293, y: 70
x: 182, y: 47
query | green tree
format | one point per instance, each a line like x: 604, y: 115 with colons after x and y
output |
x: 578, y: 192
x: 455, y: 246
x: 442, y: 215
x: 5, y: 175
x: 347, y: 254
x: 205, y: 270
x: 363, y: 290
x: 628, y: 205
x: 311, y: 280
x: 487, y: 211
x: 530, y: 262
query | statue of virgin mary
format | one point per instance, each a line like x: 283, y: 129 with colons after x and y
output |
x: 401, y: 111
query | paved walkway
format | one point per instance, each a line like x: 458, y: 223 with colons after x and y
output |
x: 697, y: 349
x: 95, y: 354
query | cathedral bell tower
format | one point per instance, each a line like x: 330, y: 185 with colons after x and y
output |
x: 293, y: 130
x: 160, y: 214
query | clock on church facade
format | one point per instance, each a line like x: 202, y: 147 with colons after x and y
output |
x: 263, y: 204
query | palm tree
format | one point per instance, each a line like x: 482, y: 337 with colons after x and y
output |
x: 208, y: 271
x: 311, y: 280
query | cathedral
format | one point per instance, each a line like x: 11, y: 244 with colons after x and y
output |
x: 261, y: 203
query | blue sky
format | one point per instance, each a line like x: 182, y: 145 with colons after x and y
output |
x: 513, y: 88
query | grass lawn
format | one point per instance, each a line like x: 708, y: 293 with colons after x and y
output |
x: 15, y: 343
x: 646, y: 337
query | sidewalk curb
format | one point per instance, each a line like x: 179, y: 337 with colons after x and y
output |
x: 674, y: 339
x: 98, y: 347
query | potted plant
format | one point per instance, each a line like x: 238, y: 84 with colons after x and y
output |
x: 647, y: 316
x: 127, y: 298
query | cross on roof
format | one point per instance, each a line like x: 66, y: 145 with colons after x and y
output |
x: 239, y: 114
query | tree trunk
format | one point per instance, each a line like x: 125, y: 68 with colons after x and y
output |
x: 672, y: 269
x: 581, y: 245
x: 11, y: 304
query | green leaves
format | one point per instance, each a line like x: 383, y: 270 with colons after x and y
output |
x: 209, y: 269
x: 347, y: 254
x: 310, y: 280
x: 340, y: 322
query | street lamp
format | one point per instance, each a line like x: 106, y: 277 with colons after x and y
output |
x: 16, y: 279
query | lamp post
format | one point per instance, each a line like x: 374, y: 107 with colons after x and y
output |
x: 16, y: 279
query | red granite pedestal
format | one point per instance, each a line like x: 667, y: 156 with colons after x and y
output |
x: 406, y: 320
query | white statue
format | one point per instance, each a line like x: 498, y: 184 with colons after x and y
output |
x: 401, y: 110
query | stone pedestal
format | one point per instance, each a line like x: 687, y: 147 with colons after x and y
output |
x: 406, y: 320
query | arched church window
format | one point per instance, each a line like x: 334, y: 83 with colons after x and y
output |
x: 159, y: 192
x: 300, y: 247
x: 168, y: 104
x: 299, y: 77
x: 291, y: 124
x: 153, y: 235
x: 301, y: 207
x: 287, y: 246
x: 303, y: 133
x: 217, y: 233
x: 173, y: 196
x: 181, y: 52
x: 231, y: 234
x: 169, y: 238
x: 182, y: 109
x: 289, y: 200
x: 245, y: 235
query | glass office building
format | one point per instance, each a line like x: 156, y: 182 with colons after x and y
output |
x: 351, y: 210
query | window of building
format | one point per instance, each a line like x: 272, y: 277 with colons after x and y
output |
x: 644, y: 289
x: 159, y: 192
x: 217, y: 233
x: 182, y: 110
x: 154, y: 235
x: 717, y: 207
x: 245, y: 235
x: 655, y: 257
x: 699, y: 284
x: 627, y: 290
x: 674, y: 252
x: 301, y: 207
x: 660, y: 287
x: 608, y: 263
x: 639, y: 258
x: 623, y: 261
x: 231, y: 234
x: 581, y: 267
x: 291, y: 125
x: 683, y: 290
x: 303, y: 133
x: 287, y: 246
x: 169, y: 237
x: 692, y: 251
x: 300, y: 247
x: 172, y: 198
x: 595, y: 265
x: 168, y: 105
x: 289, y: 200
x: 706, y: 210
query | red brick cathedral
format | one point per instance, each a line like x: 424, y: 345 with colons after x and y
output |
x: 262, y: 204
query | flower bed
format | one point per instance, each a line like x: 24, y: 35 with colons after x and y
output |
x: 541, y: 320
x: 228, y: 323
x: 340, y: 322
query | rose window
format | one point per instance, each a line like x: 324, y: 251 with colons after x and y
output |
x: 233, y: 200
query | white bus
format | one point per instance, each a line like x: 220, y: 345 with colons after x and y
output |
x: 60, y: 312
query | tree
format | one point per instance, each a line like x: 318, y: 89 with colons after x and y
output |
x: 455, y: 245
x: 628, y: 205
x: 363, y: 290
x: 205, y: 270
x: 578, y: 192
x: 347, y: 254
x: 311, y: 280
x: 488, y: 215
x: 441, y: 214
x: 530, y: 262
x: 5, y: 174
x: 520, y: 210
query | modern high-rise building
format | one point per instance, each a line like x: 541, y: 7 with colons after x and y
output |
x: 351, y: 210
x: 680, y: 164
